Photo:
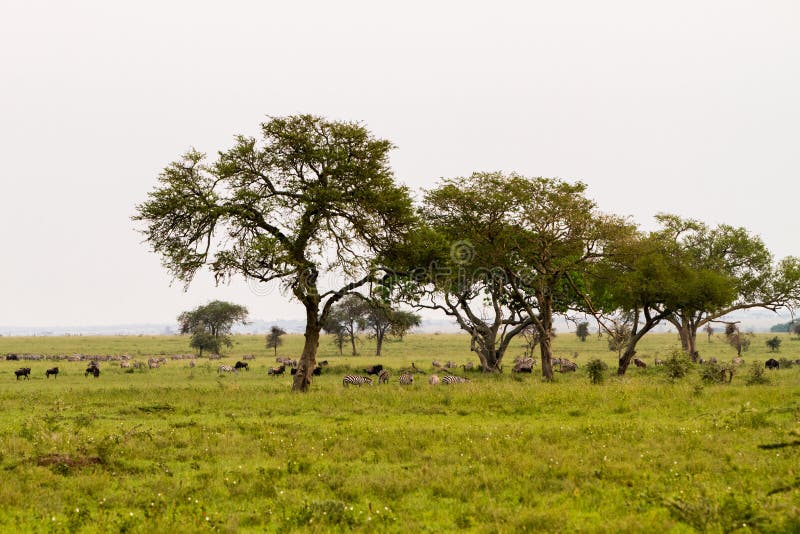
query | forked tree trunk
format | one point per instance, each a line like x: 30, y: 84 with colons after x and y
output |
x: 308, y: 360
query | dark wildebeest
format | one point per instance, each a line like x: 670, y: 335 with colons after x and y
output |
x: 12, y: 357
x: 24, y: 371
x: 241, y: 365
x: 772, y: 363
x: 639, y: 363
x: 53, y: 371
x: 316, y: 372
x: 92, y: 370
x: 277, y: 370
x: 374, y: 369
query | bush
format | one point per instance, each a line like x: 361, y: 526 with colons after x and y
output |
x: 712, y: 372
x: 677, y: 365
x: 755, y: 375
x: 774, y: 344
x: 597, y: 370
x: 785, y: 363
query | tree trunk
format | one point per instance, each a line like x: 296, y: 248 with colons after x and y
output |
x: 683, y: 332
x: 626, y: 358
x: 546, y: 351
x: 379, y: 342
x: 308, y: 360
x: 353, y: 342
x: 692, y: 340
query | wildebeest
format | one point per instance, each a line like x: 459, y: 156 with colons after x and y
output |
x: 316, y: 372
x: 374, y: 369
x: 639, y: 363
x: 242, y: 365
x: 24, y: 371
x: 277, y: 370
x: 53, y: 371
x: 92, y: 370
x: 772, y: 363
x: 12, y: 357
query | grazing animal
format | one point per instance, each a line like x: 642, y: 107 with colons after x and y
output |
x: 53, y: 371
x: 712, y: 360
x: 277, y: 370
x: 92, y: 370
x: 450, y: 365
x: 772, y: 363
x: 436, y: 363
x: 191, y: 363
x: 738, y: 361
x: 374, y: 369
x: 323, y: 363
x: 383, y: 377
x: 24, y: 371
x: 639, y: 363
x: 523, y: 365
x: 124, y: 364
x: 406, y: 379
x: 316, y: 372
x: 226, y: 369
x: 568, y: 366
x: 12, y: 357
x: 248, y: 357
x: 356, y: 380
x: 242, y: 365
x: 469, y: 366
x: 153, y: 364
x: 433, y: 380
x: 453, y: 379
x: 658, y: 361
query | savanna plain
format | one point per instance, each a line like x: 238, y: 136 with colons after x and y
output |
x: 181, y: 449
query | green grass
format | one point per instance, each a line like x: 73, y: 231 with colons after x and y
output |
x: 183, y: 450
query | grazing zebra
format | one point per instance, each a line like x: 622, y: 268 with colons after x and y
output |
x: 469, y: 366
x: 738, y: 361
x: 658, y: 361
x: 153, y: 365
x: 567, y: 366
x: 356, y: 380
x: 24, y: 371
x: 124, y: 364
x: 436, y: 363
x: 383, y: 376
x: 53, y: 371
x: 523, y: 365
x: 406, y: 379
x: 433, y: 380
x: 453, y: 379
x: 226, y: 369
x: 450, y: 365
x: 248, y: 357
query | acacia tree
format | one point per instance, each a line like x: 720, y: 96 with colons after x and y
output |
x: 756, y: 281
x: 455, y: 261
x: 210, y: 325
x: 381, y: 320
x: 310, y: 198
x: 345, y: 318
x: 274, y: 338
x: 582, y: 331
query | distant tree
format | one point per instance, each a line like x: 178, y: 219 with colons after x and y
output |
x: 345, y: 318
x: 380, y: 320
x: 774, y: 344
x: 582, y: 331
x: 532, y: 339
x: 336, y: 329
x: 619, y: 335
x: 709, y: 330
x: 736, y: 339
x: 210, y: 325
x: 274, y: 338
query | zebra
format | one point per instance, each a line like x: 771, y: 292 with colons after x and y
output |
x: 436, y: 363
x: 568, y: 366
x: 453, y: 379
x: 53, y: 371
x: 406, y: 379
x: 658, y: 361
x: 356, y: 380
x: 124, y: 364
x: 383, y: 376
x: 226, y: 369
x: 450, y: 365
x: 433, y: 380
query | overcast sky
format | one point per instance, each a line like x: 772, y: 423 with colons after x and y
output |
x: 685, y: 107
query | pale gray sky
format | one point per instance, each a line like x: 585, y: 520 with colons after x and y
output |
x: 688, y: 107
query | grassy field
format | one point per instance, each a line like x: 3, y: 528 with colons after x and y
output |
x: 185, y: 450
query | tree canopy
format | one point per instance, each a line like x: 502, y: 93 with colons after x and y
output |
x: 309, y: 197
x: 210, y: 325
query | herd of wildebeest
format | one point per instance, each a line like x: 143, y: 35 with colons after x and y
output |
x: 406, y: 377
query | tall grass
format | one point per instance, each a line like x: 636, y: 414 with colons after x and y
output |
x: 186, y: 450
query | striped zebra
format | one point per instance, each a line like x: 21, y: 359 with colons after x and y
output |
x: 383, y: 376
x: 453, y: 379
x: 125, y: 364
x: 356, y: 380
x: 568, y: 366
x: 406, y: 379
x: 226, y: 369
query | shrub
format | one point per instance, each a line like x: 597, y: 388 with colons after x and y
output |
x: 785, y: 363
x: 755, y: 375
x: 597, y: 370
x: 712, y: 372
x: 677, y: 365
x: 774, y: 344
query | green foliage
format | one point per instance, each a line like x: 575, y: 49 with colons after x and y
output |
x: 275, y: 338
x: 713, y: 373
x: 785, y: 363
x: 677, y: 365
x: 582, y: 331
x: 756, y: 375
x: 774, y: 343
x: 210, y: 325
x: 597, y: 370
